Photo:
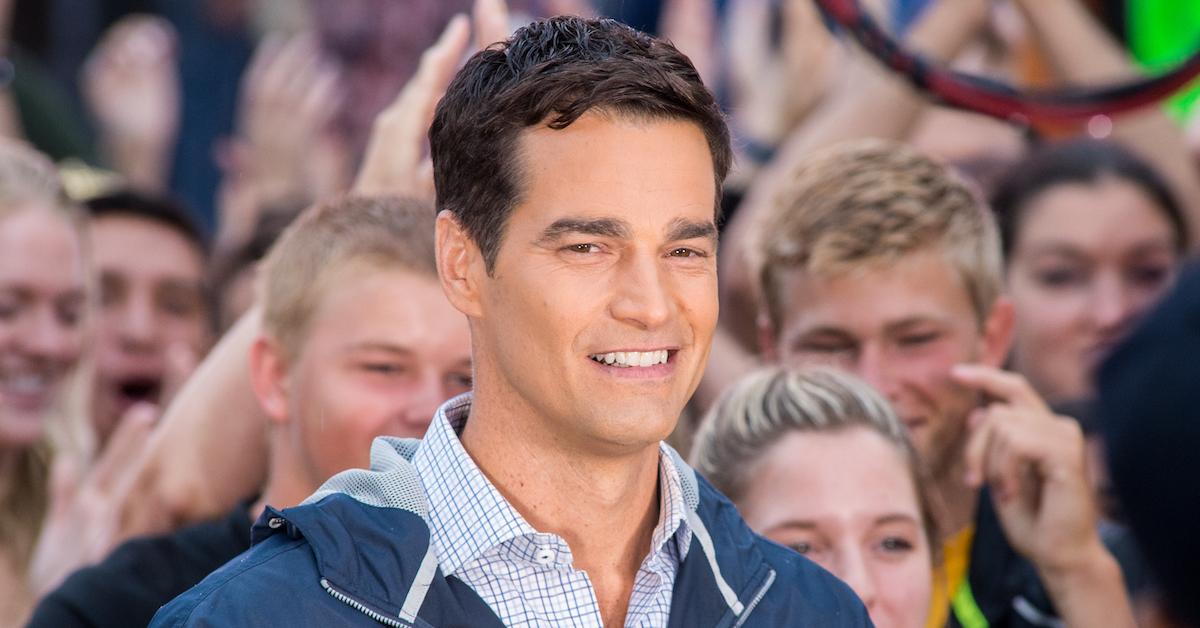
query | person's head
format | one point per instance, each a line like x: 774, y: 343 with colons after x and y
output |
x: 151, y: 259
x: 816, y: 460
x: 1092, y: 237
x: 1147, y: 410
x: 358, y: 340
x: 880, y: 261
x: 578, y: 167
x: 43, y: 302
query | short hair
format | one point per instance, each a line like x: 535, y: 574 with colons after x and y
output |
x: 872, y: 202
x: 550, y: 73
x: 384, y: 232
x: 1083, y: 161
x: 163, y: 210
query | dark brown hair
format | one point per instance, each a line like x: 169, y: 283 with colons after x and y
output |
x: 551, y: 72
x: 1084, y: 161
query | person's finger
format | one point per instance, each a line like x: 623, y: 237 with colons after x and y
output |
x: 63, y: 484
x: 491, y: 22
x: 320, y: 100
x: 976, y: 450
x: 126, y: 442
x: 1002, y: 386
x: 264, y: 56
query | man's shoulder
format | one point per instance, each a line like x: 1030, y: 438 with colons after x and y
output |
x: 795, y: 590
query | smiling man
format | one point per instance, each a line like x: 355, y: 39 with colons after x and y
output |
x: 577, y: 168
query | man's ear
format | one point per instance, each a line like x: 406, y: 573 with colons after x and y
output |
x: 998, y: 330
x: 268, y: 376
x: 460, y: 265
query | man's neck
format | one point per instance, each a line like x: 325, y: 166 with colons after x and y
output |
x: 287, y: 481
x: 605, y: 508
x: 953, y: 502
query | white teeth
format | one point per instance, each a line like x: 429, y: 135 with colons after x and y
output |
x: 628, y: 359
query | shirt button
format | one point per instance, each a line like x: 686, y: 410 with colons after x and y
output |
x: 545, y: 556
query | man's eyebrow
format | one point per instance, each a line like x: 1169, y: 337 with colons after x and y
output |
x: 604, y: 227
x: 684, y: 229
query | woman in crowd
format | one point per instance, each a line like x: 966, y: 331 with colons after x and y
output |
x: 1092, y: 237
x: 817, y: 460
x: 43, y: 303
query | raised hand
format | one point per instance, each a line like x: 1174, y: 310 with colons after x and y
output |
x: 396, y: 160
x: 1034, y: 463
x: 772, y: 89
x: 83, y: 518
x: 131, y: 85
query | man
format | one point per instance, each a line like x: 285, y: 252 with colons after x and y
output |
x: 577, y: 167
x: 154, y: 321
x: 357, y: 341
x: 880, y: 261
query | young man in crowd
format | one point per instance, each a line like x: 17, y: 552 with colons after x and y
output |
x: 880, y: 261
x: 357, y: 341
x: 577, y: 168
x: 154, y: 322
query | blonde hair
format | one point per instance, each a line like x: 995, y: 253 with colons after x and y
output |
x: 29, y: 179
x: 769, y: 403
x: 388, y: 232
x: 872, y: 202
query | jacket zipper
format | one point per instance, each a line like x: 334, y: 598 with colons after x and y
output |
x: 360, y: 607
x: 762, y: 592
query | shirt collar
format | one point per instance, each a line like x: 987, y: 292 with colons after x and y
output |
x: 468, y: 516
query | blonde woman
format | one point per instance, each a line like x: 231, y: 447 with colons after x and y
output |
x: 816, y: 460
x: 43, y: 307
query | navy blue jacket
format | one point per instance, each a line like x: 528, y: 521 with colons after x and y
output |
x: 346, y: 557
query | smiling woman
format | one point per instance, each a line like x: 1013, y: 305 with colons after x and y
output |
x: 42, y: 313
x: 817, y: 460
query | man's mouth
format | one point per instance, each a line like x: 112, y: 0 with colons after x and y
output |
x: 631, y: 359
x: 132, y: 390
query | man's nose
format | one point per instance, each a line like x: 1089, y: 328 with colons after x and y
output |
x: 643, y: 295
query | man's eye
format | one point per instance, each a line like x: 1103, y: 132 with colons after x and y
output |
x: 382, y: 368
x: 586, y: 247
x: 914, y: 340
x: 686, y: 252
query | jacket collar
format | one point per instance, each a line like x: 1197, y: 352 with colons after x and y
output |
x: 368, y: 532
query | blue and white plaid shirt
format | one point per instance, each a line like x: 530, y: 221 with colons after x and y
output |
x: 524, y: 575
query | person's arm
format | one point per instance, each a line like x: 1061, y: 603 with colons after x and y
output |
x: 1082, y: 53
x: 209, y: 450
x: 872, y: 102
x: 1033, y: 462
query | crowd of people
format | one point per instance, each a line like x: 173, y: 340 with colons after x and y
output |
x: 412, y: 313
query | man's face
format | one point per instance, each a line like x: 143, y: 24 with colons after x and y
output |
x: 597, y: 320
x: 152, y: 303
x: 901, y: 327
x: 384, y: 349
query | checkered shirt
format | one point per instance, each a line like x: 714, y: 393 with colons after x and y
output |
x: 526, y: 576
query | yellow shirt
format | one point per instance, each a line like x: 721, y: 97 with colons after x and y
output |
x: 956, y: 555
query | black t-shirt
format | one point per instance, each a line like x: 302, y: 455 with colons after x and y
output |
x: 130, y: 585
